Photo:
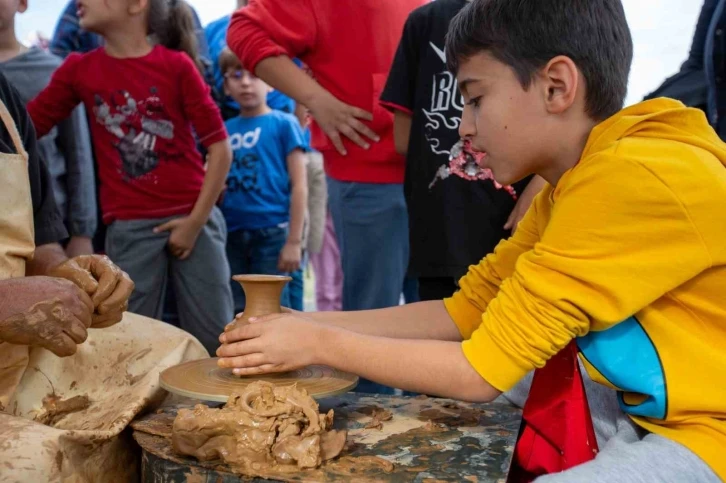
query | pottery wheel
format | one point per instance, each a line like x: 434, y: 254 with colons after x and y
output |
x: 204, y: 380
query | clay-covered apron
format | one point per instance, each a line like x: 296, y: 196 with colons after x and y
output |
x: 112, y: 377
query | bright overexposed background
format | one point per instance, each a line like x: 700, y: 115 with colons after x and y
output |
x: 662, y: 31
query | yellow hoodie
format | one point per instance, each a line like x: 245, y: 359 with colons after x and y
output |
x: 627, y: 254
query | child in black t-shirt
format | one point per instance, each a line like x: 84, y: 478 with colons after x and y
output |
x: 457, y: 214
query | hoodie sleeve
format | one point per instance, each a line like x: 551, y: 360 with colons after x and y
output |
x: 612, y: 246
x: 479, y: 287
x: 270, y: 28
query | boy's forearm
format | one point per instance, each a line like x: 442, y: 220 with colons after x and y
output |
x: 422, y: 320
x: 282, y: 74
x: 430, y: 367
x: 298, y: 203
x: 219, y: 162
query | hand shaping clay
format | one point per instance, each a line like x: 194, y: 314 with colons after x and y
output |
x: 265, y: 428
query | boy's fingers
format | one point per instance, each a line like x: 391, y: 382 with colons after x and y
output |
x: 364, y: 130
x: 247, y: 331
x: 361, y: 114
x: 166, y: 226
x: 351, y: 134
x: 337, y: 142
x: 239, y: 349
x: 251, y: 371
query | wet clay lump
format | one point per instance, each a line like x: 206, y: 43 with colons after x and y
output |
x: 262, y: 296
x: 265, y: 428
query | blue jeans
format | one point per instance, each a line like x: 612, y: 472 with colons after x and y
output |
x: 255, y: 252
x: 371, y: 224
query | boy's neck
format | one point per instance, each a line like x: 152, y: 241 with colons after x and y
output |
x: 10, y: 47
x: 257, y: 111
x: 571, y: 146
x: 127, y: 43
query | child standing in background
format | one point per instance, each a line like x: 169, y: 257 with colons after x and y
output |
x: 156, y: 196
x: 266, y: 196
x: 65, y: 149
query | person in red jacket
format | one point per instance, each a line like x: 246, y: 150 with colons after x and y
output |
x: 349, y: 47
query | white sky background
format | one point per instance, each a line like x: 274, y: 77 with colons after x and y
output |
x: 662, y: 32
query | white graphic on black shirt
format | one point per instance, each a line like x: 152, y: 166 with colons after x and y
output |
x: 446, y: 106
x: 137, y: 126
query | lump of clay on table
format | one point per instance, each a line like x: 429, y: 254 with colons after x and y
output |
x: 264, y: 428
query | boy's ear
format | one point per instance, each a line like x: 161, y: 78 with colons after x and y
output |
x: 560, y: 84
x: 22, y: 6
x: 138, y: 6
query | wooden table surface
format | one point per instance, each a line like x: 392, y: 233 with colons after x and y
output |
x: 427, y: 440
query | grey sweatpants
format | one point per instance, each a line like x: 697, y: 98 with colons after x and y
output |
x: 628, y: 453
x: 201, y: 282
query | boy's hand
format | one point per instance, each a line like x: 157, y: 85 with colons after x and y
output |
x: 290, y: 257
x: 182, y: 237
x: 79, y: 245
x: 335, y: 118
x: 274, y: 343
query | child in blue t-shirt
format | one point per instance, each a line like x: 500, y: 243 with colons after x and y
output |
x: 266, y: 196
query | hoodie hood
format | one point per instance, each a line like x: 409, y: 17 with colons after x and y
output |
x: 663, y: 119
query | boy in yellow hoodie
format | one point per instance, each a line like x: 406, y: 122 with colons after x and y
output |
x: 622, y: 257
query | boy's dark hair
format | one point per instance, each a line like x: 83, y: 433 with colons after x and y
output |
x: 228, y: 61
x: 526, y: 34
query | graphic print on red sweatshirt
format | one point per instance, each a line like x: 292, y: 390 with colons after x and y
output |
x: 142, y: 130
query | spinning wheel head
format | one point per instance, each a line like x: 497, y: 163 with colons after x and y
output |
x: 204, y: 380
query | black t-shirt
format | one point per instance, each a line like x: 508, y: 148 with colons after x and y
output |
x: 453, y: 222
x: 47, y: 219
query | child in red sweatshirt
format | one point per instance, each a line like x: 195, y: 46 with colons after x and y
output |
x: 349, y: 47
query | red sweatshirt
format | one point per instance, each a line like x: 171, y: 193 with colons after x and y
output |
x: 349, y: 45
x: 141, y: 111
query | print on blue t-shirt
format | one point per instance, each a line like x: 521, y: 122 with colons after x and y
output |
x: 258, y: 184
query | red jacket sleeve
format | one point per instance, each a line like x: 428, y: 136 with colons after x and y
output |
x: 57, y: 101
x: 268, y: 28
x: 199, y: 107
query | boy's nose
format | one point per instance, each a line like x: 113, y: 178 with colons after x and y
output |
x: 467, y: 127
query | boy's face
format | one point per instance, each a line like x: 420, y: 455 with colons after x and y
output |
x: 503, y: 120
x: 8, y: 10
x: 246, y: 89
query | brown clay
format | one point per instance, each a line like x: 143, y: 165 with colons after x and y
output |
x: 378, y: 417
x: 265, y: 428
x: 262, y: 296
x: 55, y: 408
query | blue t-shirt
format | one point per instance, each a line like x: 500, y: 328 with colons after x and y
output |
x: 258, y: 184
x: 216, y: 33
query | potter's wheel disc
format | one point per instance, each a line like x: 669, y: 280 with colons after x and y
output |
x: 204, y: 380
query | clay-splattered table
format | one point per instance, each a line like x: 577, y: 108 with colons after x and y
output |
x: 426, y: 440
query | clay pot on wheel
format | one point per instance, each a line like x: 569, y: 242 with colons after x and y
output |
x: 262, y: 294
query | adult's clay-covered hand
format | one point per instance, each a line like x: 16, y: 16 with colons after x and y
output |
x: 46, y: 312
x: 108, y: 285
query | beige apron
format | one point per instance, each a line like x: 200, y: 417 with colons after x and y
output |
x: 113, y: 376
